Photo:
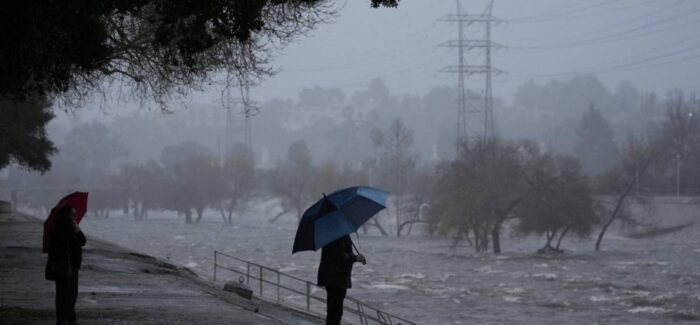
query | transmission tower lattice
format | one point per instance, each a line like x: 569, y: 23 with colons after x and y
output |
x: 229, y: 104
x: 464, y: 70
x: 250, y: 109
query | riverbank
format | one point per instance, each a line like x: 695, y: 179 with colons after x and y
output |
x: 118, y: 286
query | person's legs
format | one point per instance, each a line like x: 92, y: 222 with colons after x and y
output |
x: 73, y: 297
x: 334, y: 305
x: 62, y: 300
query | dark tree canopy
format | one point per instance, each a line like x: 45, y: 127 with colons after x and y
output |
x: 23, y: 137
x: 55, y: 47
x: 596, y: 148
x: 66, y: 49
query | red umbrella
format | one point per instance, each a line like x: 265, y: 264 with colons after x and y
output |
x: 78, y: 200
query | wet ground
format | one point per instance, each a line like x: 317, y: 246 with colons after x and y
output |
x: 632, y: 281
x: 117, y: 287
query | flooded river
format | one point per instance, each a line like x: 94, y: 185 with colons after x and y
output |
x: 633, y: 281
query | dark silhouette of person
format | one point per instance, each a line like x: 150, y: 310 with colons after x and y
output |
x: 66, y: 252
x: 334, y: 274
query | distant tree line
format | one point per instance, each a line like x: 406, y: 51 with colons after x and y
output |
x: 490, y: 187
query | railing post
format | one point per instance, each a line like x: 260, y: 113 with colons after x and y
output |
x: 308, y: 295
x: 364, y: 311
x: 361, y: 312
x: 14, y: 200
x: 261, y: 279
x: 383, y: 319
x: 278, y: 286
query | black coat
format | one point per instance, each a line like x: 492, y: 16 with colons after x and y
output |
x: 336, y: 264
x: 66, y: 247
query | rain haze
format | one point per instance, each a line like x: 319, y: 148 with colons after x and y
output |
x: 540, y: 159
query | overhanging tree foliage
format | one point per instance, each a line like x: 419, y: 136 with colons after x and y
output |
x: 23, y: 138
x: 55, y: 47
x: 66, y: 49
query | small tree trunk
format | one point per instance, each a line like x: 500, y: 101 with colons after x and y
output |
x: 379, y: 226
x: 562, y: 237
x: 550, y: 235
x: 125, y: 206
x: 613, y: 216
x: 496, y: 237
x: 199, y: 211
x: 465, y: 232
x: 278, y: 216
x: 602, y: 232
x: 188, y: 216
x: 398, y: 215
x: 222, y: 212
x: 230, y: 213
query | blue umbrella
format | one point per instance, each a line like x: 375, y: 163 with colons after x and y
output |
x: 336, y: 215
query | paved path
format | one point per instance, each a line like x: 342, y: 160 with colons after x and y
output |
x: 118, y: 287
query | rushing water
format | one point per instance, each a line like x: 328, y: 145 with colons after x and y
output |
x: 633, y: 281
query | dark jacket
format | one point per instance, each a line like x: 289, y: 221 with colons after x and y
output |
x: 336, y: 264
x: 66, y: 246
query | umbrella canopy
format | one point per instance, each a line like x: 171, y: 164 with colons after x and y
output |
x: 336, y: 215
x: 78, y: 200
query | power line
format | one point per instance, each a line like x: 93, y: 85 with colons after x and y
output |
x: 562, y: 14
x: 384, y: 52
x: 654, y: 58
x: 617, y: 36
x: 631, y: 65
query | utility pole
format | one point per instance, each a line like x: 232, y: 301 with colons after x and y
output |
x: 250, y: 109
x: 464, y: 70
x: 229, y: 104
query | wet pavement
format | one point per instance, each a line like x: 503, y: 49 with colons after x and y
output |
x: 118, y: 287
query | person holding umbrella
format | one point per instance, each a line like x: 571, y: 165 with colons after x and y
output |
x: 327, y: 224
x: 334, y: 274
x: 65, y: 242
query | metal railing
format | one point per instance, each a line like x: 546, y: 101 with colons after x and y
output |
x: 284, y: 289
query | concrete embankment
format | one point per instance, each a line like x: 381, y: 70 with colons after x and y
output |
x: 118, y: 287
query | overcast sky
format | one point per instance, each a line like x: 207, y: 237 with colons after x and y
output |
x: 632, y: 40
x: 655, y: 44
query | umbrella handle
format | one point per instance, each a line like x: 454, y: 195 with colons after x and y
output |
x: 358, y: 252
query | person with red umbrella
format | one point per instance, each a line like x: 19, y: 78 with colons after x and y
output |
x: 64, y: 242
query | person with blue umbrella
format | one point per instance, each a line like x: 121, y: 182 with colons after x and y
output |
x: 327, y: 225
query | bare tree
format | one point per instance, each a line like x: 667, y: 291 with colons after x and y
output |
x: 238, y: 176
x: 193, y: 179
x: 616, y: 188
x: 293, y: 179
x: 143, y: 184
x: 417, y: 200
x: 396, y: 163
